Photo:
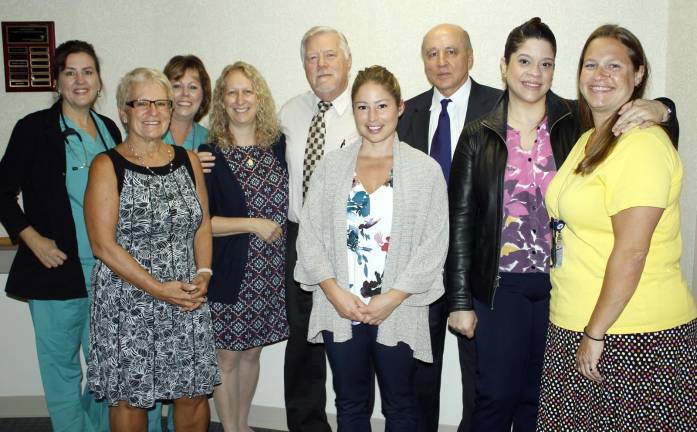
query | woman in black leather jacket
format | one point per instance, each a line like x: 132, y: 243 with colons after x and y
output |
x: 498, y: 266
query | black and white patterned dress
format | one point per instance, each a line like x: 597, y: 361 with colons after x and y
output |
x: 143, y: 349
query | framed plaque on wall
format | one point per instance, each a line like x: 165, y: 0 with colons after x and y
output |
x: 28, y: 48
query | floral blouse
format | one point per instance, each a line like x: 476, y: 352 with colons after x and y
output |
x: 369, y: 223
x: 526, y: 235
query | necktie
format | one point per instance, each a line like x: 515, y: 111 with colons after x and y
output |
x: 440, y: 147
x: 315, y: 144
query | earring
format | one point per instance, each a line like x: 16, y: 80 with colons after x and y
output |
x: 99, y: 92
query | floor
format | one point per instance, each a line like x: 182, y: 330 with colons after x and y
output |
x: 43, y: 424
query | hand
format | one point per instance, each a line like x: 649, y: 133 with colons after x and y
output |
x: 588, y: 357
x: 207, y: 160
x: 463, y: 322
x: 200, y: 281
x: 379, y: 308
x: 639, y: 112
x: 45, y: 249
x: 347, y: 305
x: 187, y: 296
x: 268, y: 230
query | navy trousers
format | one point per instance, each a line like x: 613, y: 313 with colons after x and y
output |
x: 352, y: 362
x: 510, y: 343
x: 304, y: 369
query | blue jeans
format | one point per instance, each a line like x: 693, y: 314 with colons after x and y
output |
x: 510, y: 341
x: 351, y: 368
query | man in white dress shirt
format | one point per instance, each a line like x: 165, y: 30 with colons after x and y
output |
x: 448, y: 57
x: 326, y: 110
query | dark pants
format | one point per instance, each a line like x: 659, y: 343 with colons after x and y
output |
x: 428, y: 375
x: 467, y: 352
x: 352, y: 362
x: 510, y: 347
x: 304, y: 371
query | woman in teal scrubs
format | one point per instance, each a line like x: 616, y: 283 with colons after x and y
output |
x: 192, y: 98
x: 47, y: 160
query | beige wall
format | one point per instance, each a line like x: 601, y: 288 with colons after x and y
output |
x: 266, y: 33
x: 681, y: 85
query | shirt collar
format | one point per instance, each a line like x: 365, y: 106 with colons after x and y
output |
x: 459, y: 98
x: 340, y: 104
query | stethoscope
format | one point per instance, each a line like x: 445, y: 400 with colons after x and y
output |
x: 67, y: 131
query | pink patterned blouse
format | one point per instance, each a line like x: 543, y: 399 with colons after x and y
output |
x: 526, y: 236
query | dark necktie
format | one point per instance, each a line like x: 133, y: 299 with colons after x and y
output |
x: 315, y: 144
x: 440, y: 146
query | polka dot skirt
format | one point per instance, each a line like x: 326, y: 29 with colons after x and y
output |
x: 650, y: 383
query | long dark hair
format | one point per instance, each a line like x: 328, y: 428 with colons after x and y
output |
x: 604, y: 140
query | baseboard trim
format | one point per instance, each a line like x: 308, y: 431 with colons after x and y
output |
x: 22, y: 406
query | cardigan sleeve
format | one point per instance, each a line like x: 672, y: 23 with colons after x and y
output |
x: 314, y: 263
x: 14, y: 165
x: 423, y: 276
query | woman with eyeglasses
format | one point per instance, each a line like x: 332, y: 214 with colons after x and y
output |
x: 47, y: 160
x: 146, y: 212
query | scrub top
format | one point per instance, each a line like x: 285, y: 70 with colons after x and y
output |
x: 197, y: 135
x: 79, y: 153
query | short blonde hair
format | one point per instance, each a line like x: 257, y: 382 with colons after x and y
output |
x: 268, y: 128
x: 137, y: 76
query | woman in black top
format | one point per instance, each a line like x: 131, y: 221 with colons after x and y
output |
x: 47, y: 160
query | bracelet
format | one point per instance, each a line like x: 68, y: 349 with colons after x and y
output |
x: 670, y: 113
x: 204, y: 270
x: 585, y: 333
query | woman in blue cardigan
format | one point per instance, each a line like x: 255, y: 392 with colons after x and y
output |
x: 248, y: 198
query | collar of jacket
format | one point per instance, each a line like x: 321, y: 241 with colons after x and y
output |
x: 497, y: 120
x: 53, y: 123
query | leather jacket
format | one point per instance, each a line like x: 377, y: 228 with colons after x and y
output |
x: 476, y: 198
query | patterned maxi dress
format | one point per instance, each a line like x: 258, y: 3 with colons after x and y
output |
x: 258, y: 317
x: 143, y: 349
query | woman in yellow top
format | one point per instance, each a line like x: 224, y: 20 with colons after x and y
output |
x: 622, y: 342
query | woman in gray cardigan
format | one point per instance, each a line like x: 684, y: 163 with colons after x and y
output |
x: 371, y: 246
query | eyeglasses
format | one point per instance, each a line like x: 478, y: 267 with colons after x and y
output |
x: 144, y: 104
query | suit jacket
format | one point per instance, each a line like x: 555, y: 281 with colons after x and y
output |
x: 34, y: 164
x: 413, y: 125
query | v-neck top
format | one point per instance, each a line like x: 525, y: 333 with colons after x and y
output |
x: 80, y: 150
x: 369, y: 223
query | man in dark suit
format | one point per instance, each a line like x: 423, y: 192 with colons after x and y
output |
x: 447, y: 55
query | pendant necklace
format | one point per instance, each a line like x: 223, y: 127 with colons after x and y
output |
x: 250, y: 162
x: 141, y: 159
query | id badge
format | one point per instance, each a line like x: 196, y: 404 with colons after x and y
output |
x: 557, y: 253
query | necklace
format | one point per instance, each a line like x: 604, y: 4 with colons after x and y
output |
x: 246, y: 150
x: 141, y: 159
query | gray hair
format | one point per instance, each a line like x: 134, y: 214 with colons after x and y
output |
x: 343, y: 43
x: 140, y: 75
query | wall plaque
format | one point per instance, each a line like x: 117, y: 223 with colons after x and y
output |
x: 28, y: 49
